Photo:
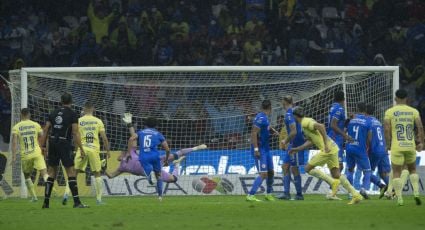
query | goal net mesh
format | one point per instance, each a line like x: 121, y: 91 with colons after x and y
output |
x: 212, y: 108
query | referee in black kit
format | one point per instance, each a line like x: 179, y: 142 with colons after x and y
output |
x: 60, y: 128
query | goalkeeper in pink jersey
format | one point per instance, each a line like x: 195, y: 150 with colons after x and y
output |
x: 129, y: 160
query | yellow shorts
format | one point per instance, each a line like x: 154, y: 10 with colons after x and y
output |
x: 37, y: 163
x: 92, y: 157
x: 322, y: 158
x: 403, y: 157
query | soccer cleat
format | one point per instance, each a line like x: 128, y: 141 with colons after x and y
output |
x: 80, y: 205
x: 269, y: 197
x: 176, y: 162
x: 299, y: 197
x: 252, y: 198
x: 330, y: 197
x: 364, y: 194
x: 400, y: 201
x: 418, y: 200
x: 356, y: 199
x: 99, y: 202
x: 65, y: 199
x: 335, y: 186
x: 382, y: 191
x: 160, y: 198
x: 34, y: 199
x: 200, y: 147
x: 284, y: 196
x: 45, y: 205
x: 390, y: 195
x: 149, y: 177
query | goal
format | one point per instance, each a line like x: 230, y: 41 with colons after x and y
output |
x: 195, y: 105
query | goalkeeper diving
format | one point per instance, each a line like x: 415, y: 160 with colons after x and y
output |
x: 130, y: 163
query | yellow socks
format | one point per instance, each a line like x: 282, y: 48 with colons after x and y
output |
x: 30, y: 187
x: 403, y: 176
x: 99, y: 187
x: 319, y: 174
x: 346, y: 184
x: 414, y: 179
x: 398, y: 186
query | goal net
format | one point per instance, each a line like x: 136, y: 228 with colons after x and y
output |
x: 195, y: 105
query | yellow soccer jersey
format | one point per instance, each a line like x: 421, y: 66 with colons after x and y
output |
x: 90, y: 127
x: 28, y: 132
x: 307, y: 124
x: 402, y: 118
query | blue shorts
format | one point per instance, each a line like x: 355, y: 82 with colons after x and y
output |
x: 340, y: 142
x: 265, y: 162
x: 150, y: 162
x: 359, y: 159
x: 293, y: 159
x: 381, y: 161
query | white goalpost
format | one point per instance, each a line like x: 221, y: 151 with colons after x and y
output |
x: 212, y: 105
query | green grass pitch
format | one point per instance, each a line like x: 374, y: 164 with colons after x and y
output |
x: 212, y: 212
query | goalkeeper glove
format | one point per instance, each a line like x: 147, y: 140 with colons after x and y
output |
x: 127, y: 119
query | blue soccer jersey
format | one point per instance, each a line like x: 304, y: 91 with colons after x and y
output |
x: 336, y: 112
x: 289, y: 120
x: 262, y: 122
x: 149, y: 156
x: 358, y: 129
x: 265, y: 162
x: 377, y: 144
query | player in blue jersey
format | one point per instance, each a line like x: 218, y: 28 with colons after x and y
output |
x: 149, y: 157
x: 336, y: 125
x: 294, y: 138
x: 359, y: 129
x: 260, y: 147
x: 378, y: 155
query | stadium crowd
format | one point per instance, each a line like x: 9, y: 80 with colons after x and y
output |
x: 213, y: 32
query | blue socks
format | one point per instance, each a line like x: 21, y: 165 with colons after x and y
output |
x: 297, y: 182
x: 374, y: 179
x: 286, y: 183
x: 366, y: 179
x: 159, y: 187
x: 257, y: 183
x: 269, y: 183
x: 386, y: 179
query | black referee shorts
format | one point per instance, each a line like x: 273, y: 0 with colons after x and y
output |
x: 60, y: 151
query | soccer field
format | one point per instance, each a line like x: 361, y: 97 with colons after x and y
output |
x: 212, y: 212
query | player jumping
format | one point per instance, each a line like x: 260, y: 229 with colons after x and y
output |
x: 399, y: 123
x: 295, y: 138
x: 359, y: 130
x: 316, y: 135
x: 29, y: 133
x: 261, y: 151
x: 129, y: 162
x: 149, y: 157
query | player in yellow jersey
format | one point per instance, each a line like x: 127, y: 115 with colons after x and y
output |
x: 27, y: 133
x: 315, y: 134
x: 399, y: 124
x: 91, y: 128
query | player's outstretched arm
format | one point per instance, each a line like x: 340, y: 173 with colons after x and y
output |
x: 306, y: 145
x: 420, y: 128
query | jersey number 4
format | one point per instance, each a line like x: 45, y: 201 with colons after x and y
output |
x: 147, y: 141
